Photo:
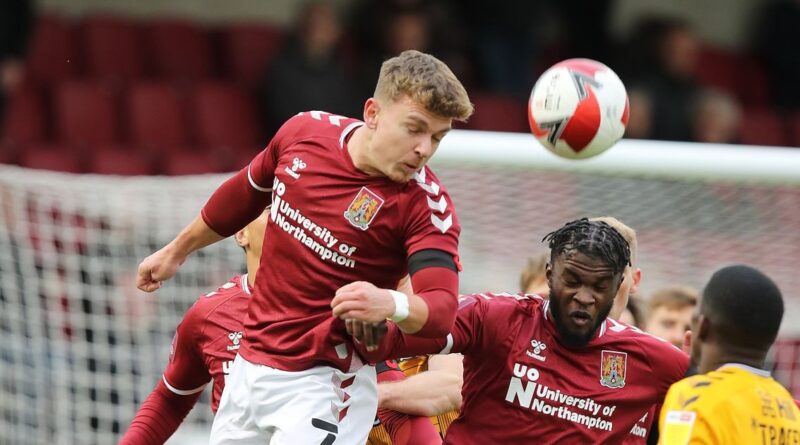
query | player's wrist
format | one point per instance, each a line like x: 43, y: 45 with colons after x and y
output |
x: 401, y: 306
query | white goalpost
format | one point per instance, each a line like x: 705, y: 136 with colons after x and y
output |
x: 81, y: 347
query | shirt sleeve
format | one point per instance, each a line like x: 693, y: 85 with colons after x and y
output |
x: 186, y: 372
x: 158, y: 417
x: 245, y: 195
x: 432, y: 222
x: 680, y: 425
x: 462, y: 338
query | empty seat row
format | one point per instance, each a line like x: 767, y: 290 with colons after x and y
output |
x: 114, y: 48
x: 148, y: 114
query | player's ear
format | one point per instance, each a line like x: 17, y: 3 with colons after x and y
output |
x: 371, y: 109
x: 548, y: 273
x: 703, y: 327
x: 241, y: 238
x: 637, y: 278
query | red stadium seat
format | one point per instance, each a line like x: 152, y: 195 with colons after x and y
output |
x: 52, y: 53
x: 180, y: 50
x: 753, y: 86
x: 224, y: 116
x: 121, y: 161
x: 86, y: 114
x: 24, y: 121
x: 763, y: 127
x: 191, y: 162
x: 113, y: 48
x: 718, y: 68
x: 157, y: 116
x: 250, y: 48
x: 794, y: 129
x: 51, y: 157
x: 498, y: 113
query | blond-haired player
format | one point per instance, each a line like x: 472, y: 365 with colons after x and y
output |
x: 354, y: 209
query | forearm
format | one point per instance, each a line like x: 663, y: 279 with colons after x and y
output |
x: 432, y: 310
x: 428, y: 393
x: 193, y: 237
x: 158, y: 417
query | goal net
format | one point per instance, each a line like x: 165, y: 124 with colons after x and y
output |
x: 81, y: 348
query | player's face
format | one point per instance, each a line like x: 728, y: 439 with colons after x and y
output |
x: 669, y: 323
x: 582, y: 291
x: 406, y: 136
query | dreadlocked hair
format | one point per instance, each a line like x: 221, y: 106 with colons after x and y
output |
x: 593, y: 238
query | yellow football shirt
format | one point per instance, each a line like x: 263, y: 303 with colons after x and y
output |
x: 411, y: 366
x: 736, y: 404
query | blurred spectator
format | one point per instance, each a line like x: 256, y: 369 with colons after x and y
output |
x: 669, y: 313
x: 777, y: 43
x: 662, y: 59
x: 640, y: 121
x: 716, y: 118
x: 587, y: 28
x: 16, y: 20
x: 385, y: 29
x: 505, y: 41
x: 309, y: 73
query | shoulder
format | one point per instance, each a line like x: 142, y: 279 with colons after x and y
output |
x: 650, y: 344
x: 426, y: 183
x: 700, y: 393
x: 219, y: 302
x: 317, y: 125
x: 502, y: 302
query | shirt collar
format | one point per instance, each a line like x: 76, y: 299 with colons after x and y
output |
x: 748, y: 368
x: 245, y: 286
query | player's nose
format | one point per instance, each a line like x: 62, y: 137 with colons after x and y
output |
x: 584, y: 296
x: 424, y: 149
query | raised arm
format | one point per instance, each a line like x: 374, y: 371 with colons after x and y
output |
x: 232, y: 206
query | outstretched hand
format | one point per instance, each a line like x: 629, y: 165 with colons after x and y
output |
x: 156, y: 269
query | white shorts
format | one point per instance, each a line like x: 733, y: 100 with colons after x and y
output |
x: 321, y: 405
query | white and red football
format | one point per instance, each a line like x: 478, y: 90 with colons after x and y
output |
x: 578, y: 108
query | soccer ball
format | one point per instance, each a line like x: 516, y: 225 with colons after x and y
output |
x: 578, y: 108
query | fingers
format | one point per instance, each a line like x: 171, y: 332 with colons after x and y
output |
x: 352, y: 287
x: 145, y: 281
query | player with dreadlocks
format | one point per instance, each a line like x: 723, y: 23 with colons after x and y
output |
x: 558, y: 370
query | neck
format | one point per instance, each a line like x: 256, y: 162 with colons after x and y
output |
x: 714, y: 356
x: 357, y: 148
x: 253, y: 262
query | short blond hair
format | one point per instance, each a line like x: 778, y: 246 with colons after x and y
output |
x: 628, y: 233
x: 673, y: 298
x: 425, y: 80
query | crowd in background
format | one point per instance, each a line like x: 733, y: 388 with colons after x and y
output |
x: 681, y: 88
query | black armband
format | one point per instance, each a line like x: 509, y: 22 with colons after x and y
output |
x: 431, y: 258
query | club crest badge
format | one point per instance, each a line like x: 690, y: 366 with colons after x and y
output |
x: 613, y: 367
x: 363, y: 209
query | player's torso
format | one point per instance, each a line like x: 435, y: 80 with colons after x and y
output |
x: 741, y: 407
x: 330, y: 225
x: 222, y: 333
x: 542, y: 389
